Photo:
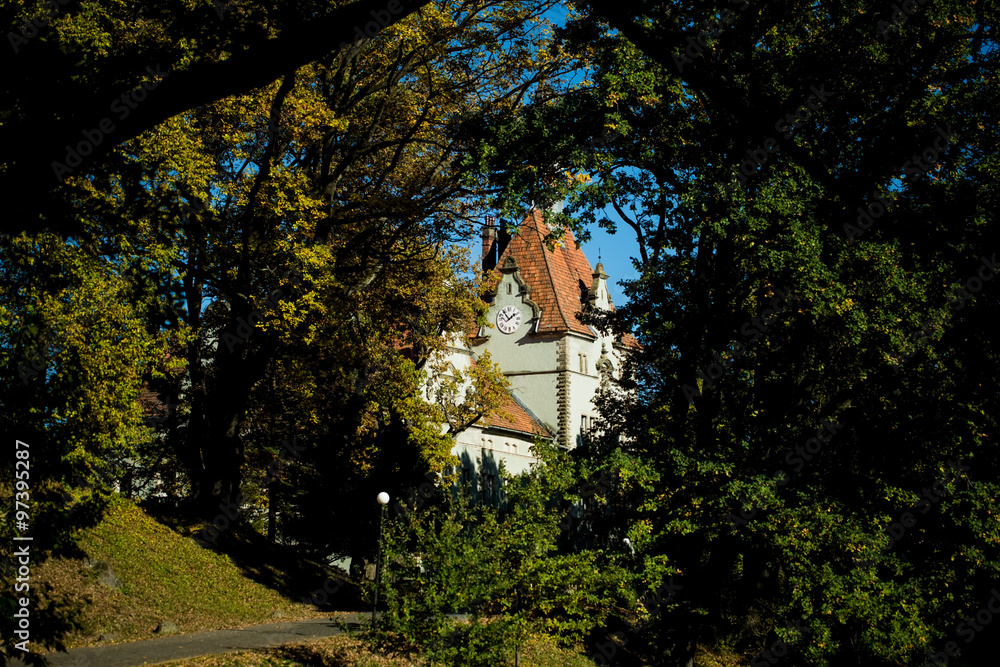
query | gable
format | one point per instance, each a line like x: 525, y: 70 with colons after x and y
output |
x: 558, y: 278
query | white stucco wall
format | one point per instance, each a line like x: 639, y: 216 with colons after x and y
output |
x: 530, y: 363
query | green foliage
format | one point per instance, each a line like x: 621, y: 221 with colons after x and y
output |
x: 500, y: 564
x: 74, y: 352
x: 713, y: 251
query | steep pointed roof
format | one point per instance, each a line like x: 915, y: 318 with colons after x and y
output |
x: 558, y: 278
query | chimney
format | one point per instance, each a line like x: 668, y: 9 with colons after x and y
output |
x: 489, y: 243
x: 503, y: 239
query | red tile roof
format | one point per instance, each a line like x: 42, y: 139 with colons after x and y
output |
x: 558, y: 278
x: 513, y: 417
x: 628, y: 340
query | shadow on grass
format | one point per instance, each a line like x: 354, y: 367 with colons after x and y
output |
x: 280, y: 568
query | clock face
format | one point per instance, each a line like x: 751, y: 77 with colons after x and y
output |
x: 508, y: 319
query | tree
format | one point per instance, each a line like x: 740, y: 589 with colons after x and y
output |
x: 356, y: 397
x: 96, y: 53
x: 499, y: 562
x: 74, y: 349
x: 792, y: 435
x: 288, y: 204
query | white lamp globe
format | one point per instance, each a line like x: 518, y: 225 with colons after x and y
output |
x: 383, y: 498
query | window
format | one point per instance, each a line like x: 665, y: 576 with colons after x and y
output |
x: 583, y: 424
x: 509, y: 288
x: 490, y: 488
x: 583, y: 362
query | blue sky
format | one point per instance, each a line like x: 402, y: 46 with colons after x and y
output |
x: 616, y: 252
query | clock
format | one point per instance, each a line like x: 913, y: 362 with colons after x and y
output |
x: 509, y: 319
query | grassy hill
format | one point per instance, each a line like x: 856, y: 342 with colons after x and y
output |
x: 153, y: 570
x: 161, y: 575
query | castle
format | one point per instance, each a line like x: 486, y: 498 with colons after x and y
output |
x: 554, y: 362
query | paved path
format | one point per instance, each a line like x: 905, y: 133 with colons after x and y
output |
x: 213, y: 642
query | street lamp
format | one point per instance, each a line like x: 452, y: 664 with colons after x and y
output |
x: 628, y: 544
x: 383, y: 500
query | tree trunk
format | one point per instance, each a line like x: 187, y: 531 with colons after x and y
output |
x: 240, y: 362
x: 272, y: 511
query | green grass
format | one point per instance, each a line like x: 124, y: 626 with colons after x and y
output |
x: 164, y: 575
x: 167, y: 575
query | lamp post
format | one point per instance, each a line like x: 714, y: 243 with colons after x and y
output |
x: 628, y: 545
x: 383, y: 500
